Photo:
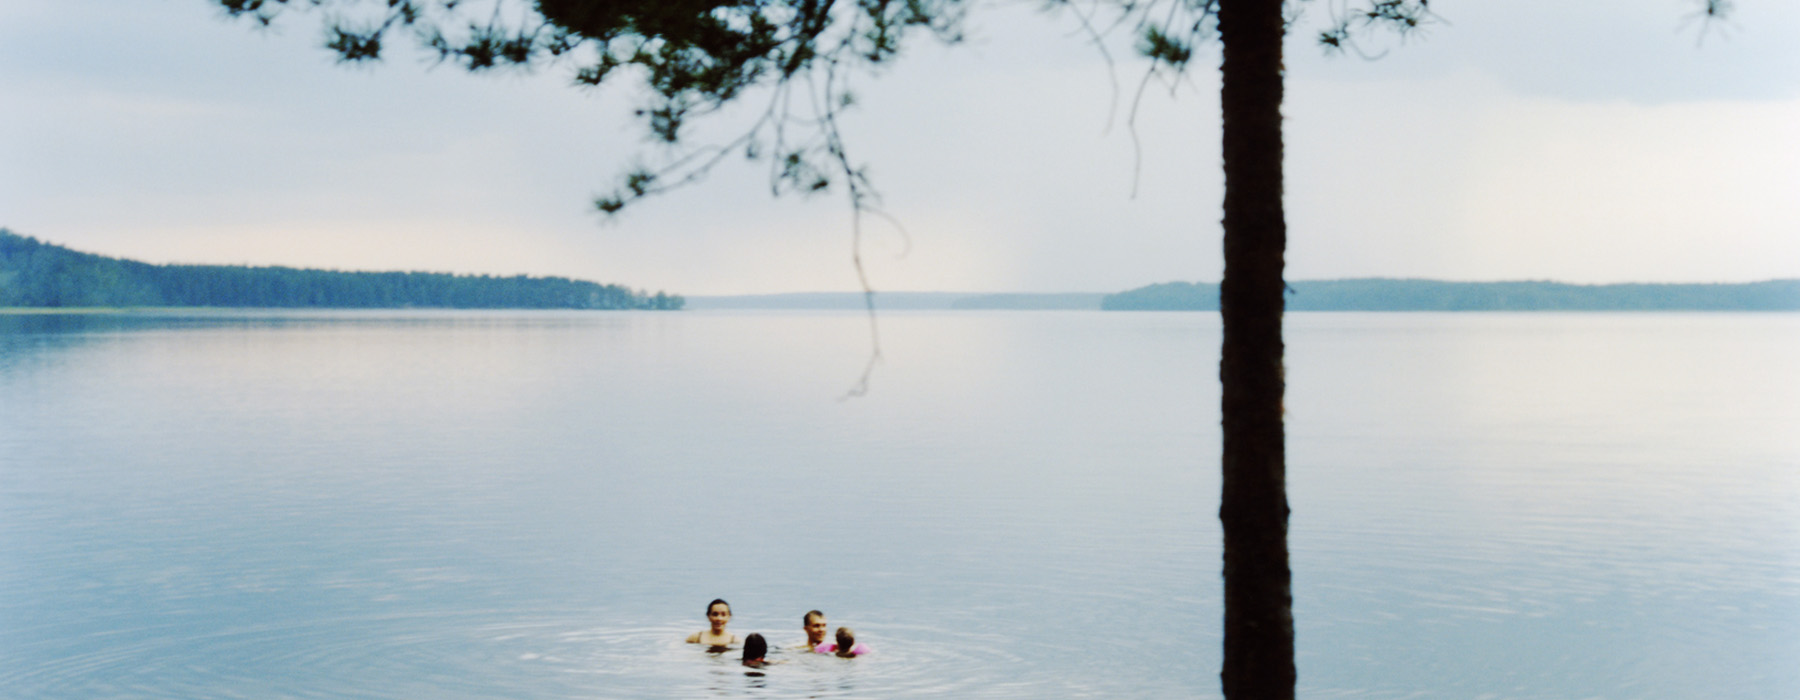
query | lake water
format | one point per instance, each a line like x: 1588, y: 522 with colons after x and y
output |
x: 432, y: 504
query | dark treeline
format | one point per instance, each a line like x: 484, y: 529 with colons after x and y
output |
x: 34, y: 273
x: 1433, y: 295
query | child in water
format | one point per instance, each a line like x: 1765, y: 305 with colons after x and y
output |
x: 718, y: 614
x: 846, y: 646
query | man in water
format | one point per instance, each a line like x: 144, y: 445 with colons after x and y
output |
x: 814, y: 624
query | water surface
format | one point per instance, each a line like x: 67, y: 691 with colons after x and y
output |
x: 539, y: 504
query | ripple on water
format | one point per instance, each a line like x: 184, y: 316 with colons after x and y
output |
x: 493, y: 654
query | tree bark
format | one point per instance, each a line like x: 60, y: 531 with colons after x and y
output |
x: 1259, y: 623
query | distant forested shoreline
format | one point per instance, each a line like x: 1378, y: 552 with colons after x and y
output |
x: 1378, y: 294
x: 38, y: 274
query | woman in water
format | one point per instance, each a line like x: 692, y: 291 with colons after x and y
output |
x: 846, y: 646
x: 718, y: 614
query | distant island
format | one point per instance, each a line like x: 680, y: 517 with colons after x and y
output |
x: 1326, y: 295
x: 1377, y: 294
x: 38, y: 274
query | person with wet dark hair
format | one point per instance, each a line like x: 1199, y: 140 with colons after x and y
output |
x: 718, y: 614
x: 755, y: 648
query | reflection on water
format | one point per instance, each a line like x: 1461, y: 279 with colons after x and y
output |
x: 538, y: 504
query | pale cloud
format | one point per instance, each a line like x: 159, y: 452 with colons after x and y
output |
x: 1626, y: 192
x: 1457, y: 177
x: 1594, y: 50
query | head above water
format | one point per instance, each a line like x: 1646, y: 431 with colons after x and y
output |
x: 755, y: 648
x: 718, y: 613
x: 846, y: 642
x: 814, y: 625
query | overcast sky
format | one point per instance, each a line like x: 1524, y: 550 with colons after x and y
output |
x: 1599, y: 141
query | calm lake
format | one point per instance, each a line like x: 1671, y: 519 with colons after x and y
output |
x: 438, y: 504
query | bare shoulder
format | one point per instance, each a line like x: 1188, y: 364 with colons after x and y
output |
x: 694, y: 638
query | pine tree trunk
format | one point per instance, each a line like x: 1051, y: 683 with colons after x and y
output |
x: 1259, y: 623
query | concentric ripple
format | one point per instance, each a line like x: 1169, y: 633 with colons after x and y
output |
x: 488, y: 654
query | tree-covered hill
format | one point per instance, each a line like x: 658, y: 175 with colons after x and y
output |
x: 38, y: 274
x: 1434, y: 295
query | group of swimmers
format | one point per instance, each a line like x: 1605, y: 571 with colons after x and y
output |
x: 718, y: 614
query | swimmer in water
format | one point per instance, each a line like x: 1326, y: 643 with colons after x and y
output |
x: 846, y: 646
x: 814, y: 625
x: 718, y: 614
x: 755, y: 648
